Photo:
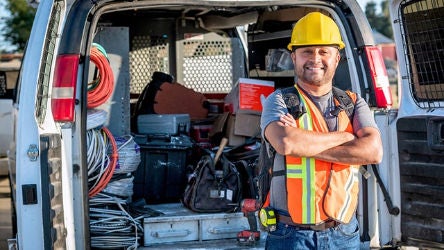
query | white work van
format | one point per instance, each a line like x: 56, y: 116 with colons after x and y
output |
x: 83, y: 81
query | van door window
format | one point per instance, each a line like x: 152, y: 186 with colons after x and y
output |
x: 47, y: 59
x: 423, y: 25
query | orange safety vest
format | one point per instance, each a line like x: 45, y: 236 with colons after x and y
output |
x: 318, y: 190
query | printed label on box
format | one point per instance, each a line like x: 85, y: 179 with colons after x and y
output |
x: 246, y: 95
x: 250, y: 91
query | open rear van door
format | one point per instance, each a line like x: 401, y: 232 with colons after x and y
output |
x: 419, y: 37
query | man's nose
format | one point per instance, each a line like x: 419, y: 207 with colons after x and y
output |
x: 316, y: 56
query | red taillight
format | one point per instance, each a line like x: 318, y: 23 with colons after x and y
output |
x: 379, y: 77
x: 64, y: 88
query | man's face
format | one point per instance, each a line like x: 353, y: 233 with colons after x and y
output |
x: 315, y: 65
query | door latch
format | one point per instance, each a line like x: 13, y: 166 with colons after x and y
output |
x: 33, y: 152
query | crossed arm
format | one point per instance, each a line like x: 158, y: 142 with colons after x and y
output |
x: 365, y: 147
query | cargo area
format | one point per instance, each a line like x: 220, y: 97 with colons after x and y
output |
x: 181, y: 87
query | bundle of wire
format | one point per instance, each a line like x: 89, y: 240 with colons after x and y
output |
x: 121, y: 185
x: 95, y: 118
x: 111, y: 226
x: 102, y: 86
x: 101, y: 159
x: 129, y: 154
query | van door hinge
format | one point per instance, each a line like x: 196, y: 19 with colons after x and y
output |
x: 33, y: 152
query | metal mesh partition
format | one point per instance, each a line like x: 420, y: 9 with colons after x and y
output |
x: 207, y: 65
x: 204, y: 64
x: 423, y: 27
x: 148, y: 54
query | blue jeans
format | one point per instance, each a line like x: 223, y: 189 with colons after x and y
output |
x: 344, y: 236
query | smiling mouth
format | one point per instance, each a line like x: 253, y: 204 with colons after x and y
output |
x: 314, y: 68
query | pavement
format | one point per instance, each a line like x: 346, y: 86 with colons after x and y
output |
x: 5, y: 213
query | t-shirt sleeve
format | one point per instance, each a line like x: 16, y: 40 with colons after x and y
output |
x: 363, y: 116
x: 272, y: 109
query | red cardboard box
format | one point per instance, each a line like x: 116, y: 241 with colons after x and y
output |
x: 245, y: 97
x: 201, y: 133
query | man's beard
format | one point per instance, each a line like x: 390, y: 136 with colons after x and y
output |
x: 306, y: 75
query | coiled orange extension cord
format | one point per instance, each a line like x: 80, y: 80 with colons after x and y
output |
x: 101, y: 89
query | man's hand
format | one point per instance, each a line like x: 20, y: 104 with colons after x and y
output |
x: 288, y: 120
x: 365, y: 149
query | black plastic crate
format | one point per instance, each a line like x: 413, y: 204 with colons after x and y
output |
x: 161, y: 175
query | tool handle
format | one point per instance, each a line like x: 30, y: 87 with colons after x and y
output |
x: 251, y: 217
x: 222, y: 145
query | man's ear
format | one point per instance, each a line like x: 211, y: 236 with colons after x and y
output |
x: 338, y: 58
x: 293, y: 57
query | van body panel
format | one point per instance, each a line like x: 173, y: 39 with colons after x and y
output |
x: 30, y: 232
x: 387, y: 224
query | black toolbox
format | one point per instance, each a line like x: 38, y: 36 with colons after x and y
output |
x: 161, y: 175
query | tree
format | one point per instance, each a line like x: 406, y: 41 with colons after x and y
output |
x: 386, y: 27
x: 379, y: 21
x: 18, y: 25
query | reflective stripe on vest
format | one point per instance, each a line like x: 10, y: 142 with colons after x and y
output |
x: 318, y: 190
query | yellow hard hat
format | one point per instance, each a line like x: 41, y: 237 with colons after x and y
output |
x: 315, y: 28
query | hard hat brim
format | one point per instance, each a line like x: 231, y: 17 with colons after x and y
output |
x: 292, y: 47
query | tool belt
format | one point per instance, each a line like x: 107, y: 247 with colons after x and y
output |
x: 321, y: 227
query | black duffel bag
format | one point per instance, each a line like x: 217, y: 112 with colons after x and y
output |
x: 213, y: 188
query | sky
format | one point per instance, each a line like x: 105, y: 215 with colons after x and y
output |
x: 4, y: 13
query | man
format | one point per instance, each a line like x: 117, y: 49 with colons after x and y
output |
x: 315, y: 199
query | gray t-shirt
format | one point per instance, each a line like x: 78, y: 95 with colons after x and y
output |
x: 274, y: 106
